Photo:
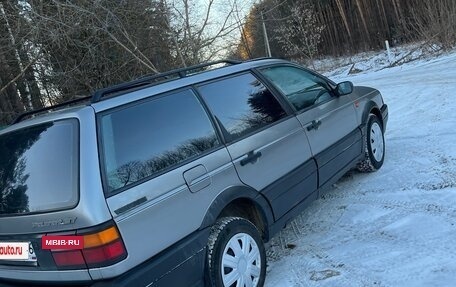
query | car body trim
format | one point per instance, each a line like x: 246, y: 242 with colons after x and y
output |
x: 232, y: 193
x: 336, y: 156
x: 289, y: 190
x: 181, y: 264
x: 385, y: 115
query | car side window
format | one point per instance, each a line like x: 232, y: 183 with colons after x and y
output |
x: 144, y: 139
x: 241, y: 105
x: 301, y: 88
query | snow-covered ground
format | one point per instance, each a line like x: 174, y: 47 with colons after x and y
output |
x: 397, y: 226
x: 374, y: 60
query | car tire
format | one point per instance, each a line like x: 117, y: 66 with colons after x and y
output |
x: 374, y: 146
x: 236, y: 254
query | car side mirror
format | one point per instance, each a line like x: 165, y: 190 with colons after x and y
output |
x: 344, y: 88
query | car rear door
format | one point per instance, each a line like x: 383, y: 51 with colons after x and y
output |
x: 268, y: 147
x: 163, y: 165
x: 328, y: 120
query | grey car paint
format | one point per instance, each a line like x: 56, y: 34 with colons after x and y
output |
x: 283, y: 147
x: 337, y: 112
x: 364, y: 98
x: 90, y: 211
x: 170, y: 212
x: 153, y: 215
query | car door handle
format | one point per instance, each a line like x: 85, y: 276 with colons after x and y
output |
x: 252, y: 157
x: 314, y: 125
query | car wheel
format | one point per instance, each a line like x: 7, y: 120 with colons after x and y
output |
x: 236, y: 254
x: 375, y: 146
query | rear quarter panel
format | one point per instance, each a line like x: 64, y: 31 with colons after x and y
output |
x: 163, y: 210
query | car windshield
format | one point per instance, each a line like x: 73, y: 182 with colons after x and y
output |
x: 39, y: 168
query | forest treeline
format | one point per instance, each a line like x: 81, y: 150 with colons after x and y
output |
x: 56, y: 50
x: 302, y: 30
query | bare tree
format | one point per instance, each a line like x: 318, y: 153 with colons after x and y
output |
x: 198, y: 30
x: 86, y: 45
x: 300, y: 33
x: 434, y: 22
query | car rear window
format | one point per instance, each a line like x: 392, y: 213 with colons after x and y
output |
x: 145, y: 139
x: 39, y: 168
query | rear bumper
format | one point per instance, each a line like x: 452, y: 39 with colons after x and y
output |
x: 180, y: 265
x: 384, y: 111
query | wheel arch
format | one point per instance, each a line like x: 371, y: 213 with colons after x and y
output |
x: 371, y: 108
x: 241, y: 201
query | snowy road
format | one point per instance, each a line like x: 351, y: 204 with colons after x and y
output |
x: 395, y: 227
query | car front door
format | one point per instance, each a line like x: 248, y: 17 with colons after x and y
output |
x: 329, y: 120
x: 268, y: 147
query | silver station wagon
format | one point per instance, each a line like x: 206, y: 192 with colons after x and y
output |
x: 178, y: 179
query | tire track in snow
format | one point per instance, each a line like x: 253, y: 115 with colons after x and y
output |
x: 301, y: 227
x: 443, y: 211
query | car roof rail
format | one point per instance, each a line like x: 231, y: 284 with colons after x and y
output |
x: 265, y: 58
x: 144, y: 80
x: 156, y: 79
x: 38, y: 111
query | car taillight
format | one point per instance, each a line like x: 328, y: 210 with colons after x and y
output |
x: 100, y: 249
x: 69, y: 259
x: 109, y: 252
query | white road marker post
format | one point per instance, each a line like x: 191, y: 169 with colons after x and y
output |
x: 388, y: 50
